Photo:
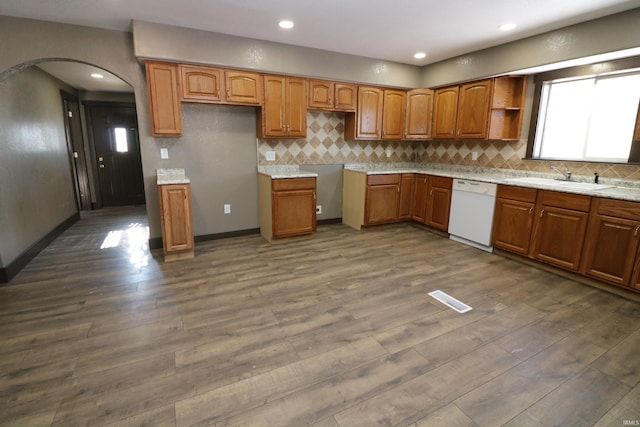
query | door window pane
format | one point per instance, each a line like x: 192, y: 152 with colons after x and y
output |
x: 122, y: 143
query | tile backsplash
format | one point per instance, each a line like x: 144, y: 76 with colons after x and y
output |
x: 325, y: 144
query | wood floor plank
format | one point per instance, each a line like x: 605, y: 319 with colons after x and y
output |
x: 581, y: 401
x: 410, y: 401
x: 321, y: 400
x: 242, y: 396
x: 626, y: 410
x: 450, y: 416
x: 334, y: 328
x: 507, y: 395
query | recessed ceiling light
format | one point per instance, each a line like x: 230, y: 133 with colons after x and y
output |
x: 97, y: 75
x: 286, y: 24
x: 507, y: 27
x: 419, y: 55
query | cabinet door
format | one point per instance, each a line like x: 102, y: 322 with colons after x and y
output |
x: 294, y: 212
x: 345, y: 96
x: 393, y: 114
x: 243, y: 88
x: 559, y: 235
x: 421, y: 190
x: 439, y: 202
x: 273, y: 113
x: 201, y: 84
x: 175, y: 215
x: 381, y: 204
x: 369, y: 113
x: 445, y: 112
x: 419, y: 114
x: 473, y: 110
x: 320, y: 94
x: 512, y: 224
x: 164, y: 99
x: 406, y: 196
x: 611, y: 248
x: 296, y: 107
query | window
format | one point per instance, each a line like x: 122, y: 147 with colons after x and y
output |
x: 590, y: 118
x: 122, y: 143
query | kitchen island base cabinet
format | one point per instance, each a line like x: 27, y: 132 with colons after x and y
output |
x: 176, y: 220
x: 382, y: 199
x: 287, y: 207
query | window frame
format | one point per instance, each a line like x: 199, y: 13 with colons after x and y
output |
x: 572, y: 72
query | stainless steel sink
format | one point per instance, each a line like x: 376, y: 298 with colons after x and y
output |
x: 555, y: 183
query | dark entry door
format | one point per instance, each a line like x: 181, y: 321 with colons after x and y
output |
x: 117, y: 150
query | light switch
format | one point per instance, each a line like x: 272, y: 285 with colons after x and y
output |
x: 164, y: 153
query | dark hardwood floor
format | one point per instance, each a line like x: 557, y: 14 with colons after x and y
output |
x: 336, y: 330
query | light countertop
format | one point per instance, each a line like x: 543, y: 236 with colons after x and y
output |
x: 171, y: 176
x: 622, y: 190
x: 285, y: 171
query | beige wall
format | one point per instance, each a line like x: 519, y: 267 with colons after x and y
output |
x: 37, y: 191
x: 178, y: 44
x: 609, y: 34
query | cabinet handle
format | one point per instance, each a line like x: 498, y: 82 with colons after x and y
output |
x: 314, y: 196
x: 184, y: 191
x: 398, y: 188
x: 635, y: 233
x: 530, y: 210
x: 541, y: 213
x: 431, y: 193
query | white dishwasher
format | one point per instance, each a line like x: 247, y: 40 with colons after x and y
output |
x: 471, y: 217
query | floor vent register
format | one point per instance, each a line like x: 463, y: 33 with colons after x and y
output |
x: 450, y: 301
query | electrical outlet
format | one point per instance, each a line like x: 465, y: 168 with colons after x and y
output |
x: 474, y: 155
x: 227, y: 209
x: 318, y: 209
x: 271, y: 156
x: 389, y: 152
x: 164, y: 153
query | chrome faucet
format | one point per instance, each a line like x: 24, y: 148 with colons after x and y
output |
x: 566, y: 174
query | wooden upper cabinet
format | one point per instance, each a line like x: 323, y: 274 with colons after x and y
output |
x: 284, y: 113
x: 164, y: 99
x: 393, y: 106
x: 201, y: 84
x: 484, y: 109
x: 243, y: 88
x: 419, y: 114
x: 366, y: 123
x: 332, y: 96
x: 445, y: 104
x: 507, y: 107
x: 474, y: 99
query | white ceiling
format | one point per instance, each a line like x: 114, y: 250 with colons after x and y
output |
x: 78, y: 76
x: 384, y: 29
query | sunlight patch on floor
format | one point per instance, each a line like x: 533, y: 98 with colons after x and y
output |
x: 134, y: 239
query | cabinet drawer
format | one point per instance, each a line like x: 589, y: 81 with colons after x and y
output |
x: 293, y: 184
x: 441, y: 182
x: 517, y: 193
x: 383, y: 179
x: 574, y: 202
x: 617, y: 208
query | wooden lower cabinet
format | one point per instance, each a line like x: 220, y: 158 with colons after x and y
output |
x: 421, y: 189
x: 176, y: 221
x: 382, y: 199
x: 560, y: 228
x: 513, y: 218
x: 439, y: 202
x: 287, y: 206
x: 406, y: 196
x: 612, y: 242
